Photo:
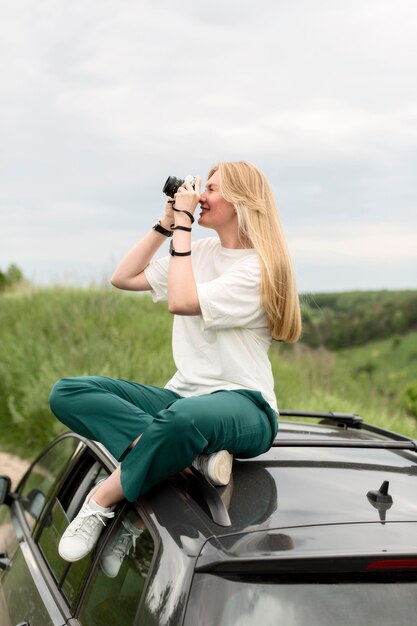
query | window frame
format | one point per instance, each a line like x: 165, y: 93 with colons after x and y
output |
x: 42, y: 578
x: 140, y: 508
x: 67, y: 467
x: 32, y: 536
x: 82, y: 461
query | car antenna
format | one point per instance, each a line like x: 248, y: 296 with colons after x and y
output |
x: 381, y: 500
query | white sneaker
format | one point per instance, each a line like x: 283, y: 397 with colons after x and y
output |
x: 83, y: 532
x: 216, y: 467
x: 114, y: 554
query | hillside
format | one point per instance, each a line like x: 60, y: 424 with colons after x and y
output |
x: 342, y: 320
x: 46, y: 334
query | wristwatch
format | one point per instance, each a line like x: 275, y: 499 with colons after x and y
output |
x: 160, y: 229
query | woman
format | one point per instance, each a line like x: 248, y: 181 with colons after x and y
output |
x: 230, y: 295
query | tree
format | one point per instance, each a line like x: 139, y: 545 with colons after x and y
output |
x: 12, y: 276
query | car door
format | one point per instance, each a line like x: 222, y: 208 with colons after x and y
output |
x: 58, y: 592
x: 25, y: 596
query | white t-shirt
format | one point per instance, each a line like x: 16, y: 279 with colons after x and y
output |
x: 226, y: 347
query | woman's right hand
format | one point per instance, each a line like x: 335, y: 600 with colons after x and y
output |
x: 168, y: 218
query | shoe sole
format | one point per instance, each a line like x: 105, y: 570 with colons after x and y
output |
x: 71, y: 559
x: 220, y: 468
x: 106, y: 574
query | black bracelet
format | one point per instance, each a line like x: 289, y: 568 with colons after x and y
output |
x: 190, y: 215
x: 187, y: 230
x: 174, y: 253
x: 160, y: 229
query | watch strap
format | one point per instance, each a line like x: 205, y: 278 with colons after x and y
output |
x: 160, y: 229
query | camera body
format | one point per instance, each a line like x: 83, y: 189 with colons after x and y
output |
x: 173, y: 183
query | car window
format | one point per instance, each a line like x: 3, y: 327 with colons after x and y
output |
x: 70, y: 577
x: 233, y: 600
x: 38, y: 483
x: 116, y: 583
x: 119, y: 579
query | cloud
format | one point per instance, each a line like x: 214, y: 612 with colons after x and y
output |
x: 374, y: 243
x: 102, y: 101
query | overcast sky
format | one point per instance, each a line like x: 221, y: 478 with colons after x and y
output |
x: 102, y: 100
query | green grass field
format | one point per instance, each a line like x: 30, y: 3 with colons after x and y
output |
x: 46, y: 334
x: 369, y: 380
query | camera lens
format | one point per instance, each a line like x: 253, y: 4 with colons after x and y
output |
x: 172, y: 185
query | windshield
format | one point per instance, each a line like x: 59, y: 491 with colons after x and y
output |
x: 220, y: 601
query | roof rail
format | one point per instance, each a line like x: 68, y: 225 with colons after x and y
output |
x: 347, y: 420
x: 343, y: 419
x: 345, y: 443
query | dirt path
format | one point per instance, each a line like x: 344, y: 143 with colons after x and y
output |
x: 12, y: 466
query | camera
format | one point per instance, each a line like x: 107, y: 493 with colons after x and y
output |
x: 173, y: 184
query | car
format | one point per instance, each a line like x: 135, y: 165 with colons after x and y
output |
x: 320, y: 530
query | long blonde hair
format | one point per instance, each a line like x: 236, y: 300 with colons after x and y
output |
x: 248, y: 189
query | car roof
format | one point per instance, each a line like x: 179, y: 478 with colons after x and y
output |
x: 318, y: 485
x: 318, y: 477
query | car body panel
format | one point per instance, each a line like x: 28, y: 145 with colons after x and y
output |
x: 293, y: 507
x: 181, y: 535
x: 25, y: 596
x: 296, y: 548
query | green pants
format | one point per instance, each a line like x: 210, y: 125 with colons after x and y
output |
x: 175, y: 429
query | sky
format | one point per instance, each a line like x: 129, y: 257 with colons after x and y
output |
x: 102, y: 100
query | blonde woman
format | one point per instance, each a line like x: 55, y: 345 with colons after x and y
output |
x: 230, y: 295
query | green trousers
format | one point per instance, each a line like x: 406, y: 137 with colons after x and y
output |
x: 174, y: 429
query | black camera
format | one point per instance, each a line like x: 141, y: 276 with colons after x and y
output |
x: 173, y: 184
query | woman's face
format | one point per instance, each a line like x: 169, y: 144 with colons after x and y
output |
x: 216, y: 212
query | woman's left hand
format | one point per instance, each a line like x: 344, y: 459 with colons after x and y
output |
x: 187, y: 198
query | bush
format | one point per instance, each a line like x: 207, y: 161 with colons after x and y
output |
x: 346, y: 319
x: 12, y: 276
x: 410, y: 399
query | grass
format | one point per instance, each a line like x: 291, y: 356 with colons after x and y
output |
x: 52, y: 333
x: 46, y: 334
x: 369, y: 380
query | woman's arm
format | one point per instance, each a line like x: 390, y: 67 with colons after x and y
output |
x: 182, y: 288
x: 129, y: 273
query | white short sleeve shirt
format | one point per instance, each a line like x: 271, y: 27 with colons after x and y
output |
x: 226, y: 347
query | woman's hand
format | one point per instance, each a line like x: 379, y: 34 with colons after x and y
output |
x: 168, y: 219
x: 187, y: 198
x: 182, y: 288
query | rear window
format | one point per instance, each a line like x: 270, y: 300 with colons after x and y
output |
x: 222, y: 601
